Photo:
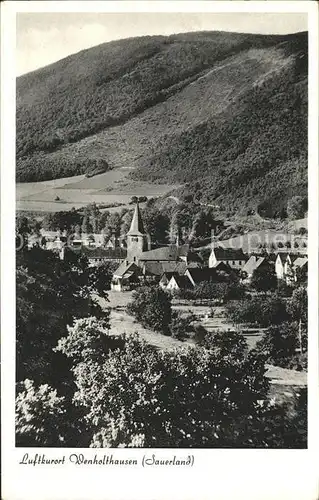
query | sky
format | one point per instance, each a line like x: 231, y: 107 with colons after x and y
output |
x: 43, y: 38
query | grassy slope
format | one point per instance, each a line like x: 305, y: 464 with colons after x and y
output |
x: 224, y: 106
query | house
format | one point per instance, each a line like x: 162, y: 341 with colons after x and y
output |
x: 57, y: 244
x: 254, y: 262
x: 158, y: 269
x: 197, y: 276
x: 282, y: 264
x: 286, y: 265
x: 98, y: 255
x: 127, y: 276
x: 165, y: 279
x: 234, y: 257
x: 115, y: 242
x: 178, y: 282
x: 53, y: 240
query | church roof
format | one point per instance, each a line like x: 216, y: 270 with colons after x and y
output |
x: 137, y: 226
x: 159, y: 268
x: 169, y: 253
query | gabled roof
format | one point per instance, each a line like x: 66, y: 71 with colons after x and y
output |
x: 169, y: 253
x: 221, y: 266
x: 126, y: 268
x: 137, y: 226
x: 201, y: 274
x: 253, y: 263
x: 182, y: 281
x: 300, y: 262
x: 284, y: 256
x: 167, y: 276
x: 159, y: 268
x: 229, y: 253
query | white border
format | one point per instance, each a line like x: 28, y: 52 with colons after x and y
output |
x: 217, y: 474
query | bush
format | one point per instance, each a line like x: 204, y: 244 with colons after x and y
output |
x: 186, y: 398
x: 129, y: 394
x: 261, y: 311
x: 220, y: 292
x: 181, y: 326
x: 151, y: 306
x: 39, y: 412
x: 226, y: 345
x: 264, y: 278
x: 279, y: 345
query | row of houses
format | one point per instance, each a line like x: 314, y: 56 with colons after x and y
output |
x: 172, y: 266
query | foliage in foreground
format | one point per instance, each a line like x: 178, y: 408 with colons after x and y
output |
x: 132, y: 395
x: 50, y: 294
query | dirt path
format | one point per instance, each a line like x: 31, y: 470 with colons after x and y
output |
x: 121, y: 322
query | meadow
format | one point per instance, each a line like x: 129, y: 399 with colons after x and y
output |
x: 62, y: 194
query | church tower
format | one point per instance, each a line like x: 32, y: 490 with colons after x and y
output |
x: 136, y: 237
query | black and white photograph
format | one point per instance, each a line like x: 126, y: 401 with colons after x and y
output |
x: 161, y: 233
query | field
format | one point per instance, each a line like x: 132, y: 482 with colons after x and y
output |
x: 111, y: 187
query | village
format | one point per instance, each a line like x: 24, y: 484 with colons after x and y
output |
x: 175, y: 267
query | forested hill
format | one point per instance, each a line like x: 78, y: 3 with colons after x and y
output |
x: 228, y: 108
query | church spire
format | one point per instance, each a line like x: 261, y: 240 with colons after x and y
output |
x: 137, y: 226
x: 136, y: 237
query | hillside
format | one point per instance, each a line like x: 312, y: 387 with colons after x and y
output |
x: 226, y: 108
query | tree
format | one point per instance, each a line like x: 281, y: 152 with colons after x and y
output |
x: 50, y: 294
x: 263, y: 311
x: 264, y: 278
x: 279, y: 345
x: 297, y: 307
x: 88, y: 340
x: 301, y: 274
x: 39, y: 412
x: 157, y: 224
x: 181, y: 326
x: 185, y: 398
x: 297, y: 206
x: 86, y: 225
x: 151, y: 306
x: 129, y: 394
x: 228, y: 345
x: 23, y: 229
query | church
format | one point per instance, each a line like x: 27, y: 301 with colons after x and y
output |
x: 143, y: 263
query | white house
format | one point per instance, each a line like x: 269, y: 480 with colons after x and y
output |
x: 126, y: 277
x: 178, y: 282
x: 286, y: 265
x: 234, y: 257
